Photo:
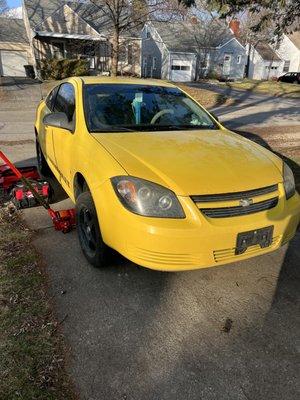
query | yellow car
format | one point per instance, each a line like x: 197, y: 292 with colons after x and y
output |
x: 159, y: 179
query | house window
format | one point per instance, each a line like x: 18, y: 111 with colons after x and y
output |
x: 126, y: 54
x: 286, y: 66
x: 58, y: 50
x: 239, y: 59
x: 180, y: 67
x: 154, y: 63
x: 129, y: 54
x: 148, y: 35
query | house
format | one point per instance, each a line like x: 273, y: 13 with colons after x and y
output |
x: 264, y: 62
x: 15, y: 51
x: 77, y: 29
x: 181, y: 51
x: 289, y: 51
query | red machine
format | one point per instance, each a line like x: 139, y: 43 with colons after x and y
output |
x: 8, y: 178
x: 27, y: 190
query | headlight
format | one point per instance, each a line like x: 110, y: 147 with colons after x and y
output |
x: 288, y: 181
x: 146, y: 198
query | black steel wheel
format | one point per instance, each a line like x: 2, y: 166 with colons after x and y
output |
x: 88, y: 230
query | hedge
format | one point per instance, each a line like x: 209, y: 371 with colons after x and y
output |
x: 63, y: 68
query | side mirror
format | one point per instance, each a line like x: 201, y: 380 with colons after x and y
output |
x: 58, y: 120
x: 215, y: 117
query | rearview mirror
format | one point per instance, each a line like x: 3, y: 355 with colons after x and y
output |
x: 58, y: 120
x: 215, y: 117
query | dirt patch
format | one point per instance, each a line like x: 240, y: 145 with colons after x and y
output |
x: 32, y: 362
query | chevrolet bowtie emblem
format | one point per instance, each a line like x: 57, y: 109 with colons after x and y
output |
x: 246, y: 202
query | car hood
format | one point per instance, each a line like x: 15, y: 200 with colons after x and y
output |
x: 194, y: 162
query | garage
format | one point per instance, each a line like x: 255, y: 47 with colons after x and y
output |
x: 12, y: 62
x: 181, y: 70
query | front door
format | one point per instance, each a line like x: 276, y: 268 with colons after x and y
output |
x: 63, y: 139
x: 226, y: 64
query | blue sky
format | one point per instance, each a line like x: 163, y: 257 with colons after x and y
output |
x: 13, y: 3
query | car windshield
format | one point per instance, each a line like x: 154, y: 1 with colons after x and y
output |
x: 123, y: 107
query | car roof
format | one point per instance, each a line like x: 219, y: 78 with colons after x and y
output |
x: 90, y: 80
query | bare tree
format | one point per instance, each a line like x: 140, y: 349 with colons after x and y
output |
x: 207, y: 31
x: 128, y: 16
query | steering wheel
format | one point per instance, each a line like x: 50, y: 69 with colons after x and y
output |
x: 159, y: 114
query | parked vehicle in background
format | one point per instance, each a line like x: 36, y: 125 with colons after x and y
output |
x: 290, y: 77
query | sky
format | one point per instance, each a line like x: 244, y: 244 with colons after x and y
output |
x: 13, y: 3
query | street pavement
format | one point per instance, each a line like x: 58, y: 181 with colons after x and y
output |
x: 228, y: 332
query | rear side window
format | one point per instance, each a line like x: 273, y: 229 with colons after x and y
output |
x: 51, y: 98
x: 65, y: 100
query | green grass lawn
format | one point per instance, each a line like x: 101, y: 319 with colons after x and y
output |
x: 270, y: 87
x: 32, y: 352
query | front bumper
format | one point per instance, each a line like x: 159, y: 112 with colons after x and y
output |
x: 191, y: 243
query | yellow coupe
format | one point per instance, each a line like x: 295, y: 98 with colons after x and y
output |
x: 159, y: 179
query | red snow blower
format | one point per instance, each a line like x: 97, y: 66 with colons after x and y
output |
x: 26, y: 189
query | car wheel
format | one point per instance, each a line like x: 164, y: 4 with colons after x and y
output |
x: 88, y: 230
x: 43, y: 167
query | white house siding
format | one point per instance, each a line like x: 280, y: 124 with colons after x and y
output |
x: 261, y: 69
x: 289, y: 52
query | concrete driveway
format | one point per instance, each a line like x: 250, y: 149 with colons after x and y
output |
x: 222, y: 333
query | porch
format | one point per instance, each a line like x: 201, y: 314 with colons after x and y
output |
x: 97, y: 50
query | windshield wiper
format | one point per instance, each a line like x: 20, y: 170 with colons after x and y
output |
x: 172, y: 127
x: 115, y: 129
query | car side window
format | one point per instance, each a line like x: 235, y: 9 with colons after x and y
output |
x: 65, y: 100
x: 51, y: 98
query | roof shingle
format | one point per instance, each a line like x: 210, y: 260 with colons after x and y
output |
x: 266, y: 52
x: 183, y: 36
x: 12, y: 30
x: 39, y: 10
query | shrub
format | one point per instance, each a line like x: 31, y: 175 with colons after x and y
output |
x: 61, y: 69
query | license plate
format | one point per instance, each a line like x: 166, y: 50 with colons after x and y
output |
x: 263, y: 237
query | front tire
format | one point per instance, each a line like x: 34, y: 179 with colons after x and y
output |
x: 88, y: 230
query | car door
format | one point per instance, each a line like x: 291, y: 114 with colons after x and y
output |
x: 63, y: 139
x: 46, y: 132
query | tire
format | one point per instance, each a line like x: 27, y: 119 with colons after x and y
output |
x: 88, y: 230
x: 43, y: 167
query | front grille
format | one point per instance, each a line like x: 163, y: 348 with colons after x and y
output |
x: 235, y: 195
x: 223, y: 212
